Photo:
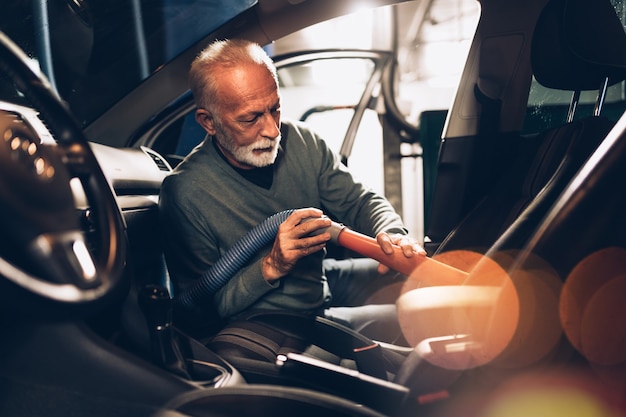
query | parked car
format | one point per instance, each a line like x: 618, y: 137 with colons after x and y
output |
x: 517, y: 193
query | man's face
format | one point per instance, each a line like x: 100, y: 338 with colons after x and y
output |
x: 247, y: 120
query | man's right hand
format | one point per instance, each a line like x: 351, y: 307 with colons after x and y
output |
x: 294, y: 240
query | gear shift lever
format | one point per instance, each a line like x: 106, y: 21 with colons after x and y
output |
x: 156, y: 304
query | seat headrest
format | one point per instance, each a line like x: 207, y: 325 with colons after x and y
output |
x: 577, y: 44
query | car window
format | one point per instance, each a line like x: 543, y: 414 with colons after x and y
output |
x: 116, y: 44
x: 548, y: 107
x: 433, y: 40
x: 324, y: 93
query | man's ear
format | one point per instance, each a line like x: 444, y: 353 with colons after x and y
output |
x: 205, y: 119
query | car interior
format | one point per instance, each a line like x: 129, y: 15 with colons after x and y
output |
x: 533, y: 220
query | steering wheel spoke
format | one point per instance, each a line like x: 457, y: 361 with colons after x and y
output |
x: 67, y: 258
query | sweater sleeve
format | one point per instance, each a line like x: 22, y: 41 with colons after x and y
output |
x: 242, y: 290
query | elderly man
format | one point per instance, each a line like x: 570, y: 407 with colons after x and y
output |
x: 251, y: 166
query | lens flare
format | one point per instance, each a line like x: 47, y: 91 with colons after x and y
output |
x: 539, y: 330
x: 481, y: 314
x: 566, y: 393
x: 592, y: 307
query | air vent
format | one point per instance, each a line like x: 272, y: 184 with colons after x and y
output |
x: 160, y: 162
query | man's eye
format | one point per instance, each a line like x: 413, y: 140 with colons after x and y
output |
x: 251, y: 120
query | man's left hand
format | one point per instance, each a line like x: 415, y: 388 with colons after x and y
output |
x: 409, y: 247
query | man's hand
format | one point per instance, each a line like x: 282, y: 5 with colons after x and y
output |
x: 294, y: 240
x: 409, y: 247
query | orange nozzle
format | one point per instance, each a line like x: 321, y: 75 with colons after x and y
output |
x: 431, y: 271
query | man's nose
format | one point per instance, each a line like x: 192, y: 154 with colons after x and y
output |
x: 270, y: 125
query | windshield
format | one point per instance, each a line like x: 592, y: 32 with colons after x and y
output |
x: 95, y: 51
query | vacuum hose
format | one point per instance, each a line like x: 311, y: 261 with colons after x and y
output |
x: 431, y: 271
x: 233, y: 260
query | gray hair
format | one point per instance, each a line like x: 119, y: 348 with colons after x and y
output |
x: 217, y: 56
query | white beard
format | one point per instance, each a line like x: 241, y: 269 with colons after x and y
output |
x: 246, y: 155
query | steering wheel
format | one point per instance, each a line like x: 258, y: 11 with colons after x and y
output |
x: 44, y: 251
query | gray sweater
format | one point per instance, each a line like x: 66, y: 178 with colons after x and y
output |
x: 206, y: 206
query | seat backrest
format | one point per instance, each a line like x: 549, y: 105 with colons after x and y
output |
x: 574, y: 48
x: 544, y: 165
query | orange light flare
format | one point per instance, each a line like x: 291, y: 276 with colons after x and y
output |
x: 592, y: 310
x: 549, y: 393
x: 481, y: 313
x: 539, y: 330
x: 507, y: 320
